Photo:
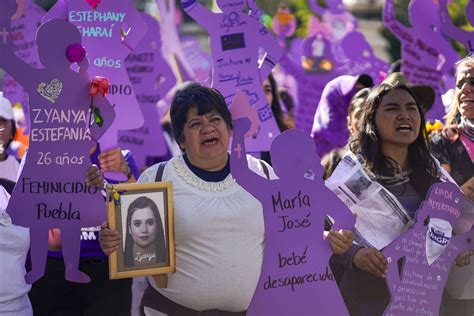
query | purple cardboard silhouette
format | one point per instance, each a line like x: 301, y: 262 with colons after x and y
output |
x: 199, y: 60
x: 330, y: 124
x: 360, y: 58
x: 172, y: 46
x: 23, y: 33
x: 421, y: 258
x: 454, y: 32
x: 283, y: 23
x: 240, y: 107
x: 110, y: 31
x: 152, y: 78
x: 295, y: 278
x: 236, y: 38
x: 50, y: 192
x: 426, y: 54
x: 317, y: 67
x: 337, y: 20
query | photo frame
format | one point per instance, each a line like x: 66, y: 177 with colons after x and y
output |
x: 143, y: 216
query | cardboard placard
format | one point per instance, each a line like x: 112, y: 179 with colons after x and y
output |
x: 50, y: 192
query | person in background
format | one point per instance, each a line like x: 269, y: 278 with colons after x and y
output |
x: 331, y: 159
x: 329, y: 130
x: 9, y: 165
x: 14, y: 245
x: 284, y: 120
x: 53, y: 295
x: 454, y: 148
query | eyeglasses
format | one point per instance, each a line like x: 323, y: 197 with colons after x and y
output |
x: 461, y: 82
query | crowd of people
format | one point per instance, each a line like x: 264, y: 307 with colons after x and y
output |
x: 219, y: 226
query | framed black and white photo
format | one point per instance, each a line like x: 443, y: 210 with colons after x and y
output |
x: 143, y: 216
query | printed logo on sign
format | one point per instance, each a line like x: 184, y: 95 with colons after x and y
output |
x: 438, y: 237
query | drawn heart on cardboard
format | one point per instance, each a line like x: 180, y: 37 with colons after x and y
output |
x: 94, y: 3
x: 50, y: 91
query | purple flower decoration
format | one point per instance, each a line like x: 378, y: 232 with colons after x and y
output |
x: 75, y: 53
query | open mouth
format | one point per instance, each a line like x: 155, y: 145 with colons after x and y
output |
x: 404, y: 128
x: 210, y: 141
x: 144, y: 238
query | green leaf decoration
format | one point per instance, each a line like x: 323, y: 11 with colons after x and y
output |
x: 98, y: 119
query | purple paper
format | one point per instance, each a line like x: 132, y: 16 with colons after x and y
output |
x: 420, y: 259
x: 452, y: 31
x: 110, y: 31
x: 50, y: 192
x: 172, y: 47
x: 426, y: 54
x: 295, y: 276
x: 199, y: 61
x: 152, y: 78
x: 360, y: 58
x: 338, y: 21
x: 236, y: 38
x: 23, y: 33
x: 317, y: 67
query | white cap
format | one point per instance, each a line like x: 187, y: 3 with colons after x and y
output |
x: 6, y: 110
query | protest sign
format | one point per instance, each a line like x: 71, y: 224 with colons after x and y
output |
x: 23, y: 34
x: 110, y: 31
x: 236, y: 39
x: 295, y: 268
x: 426, y: 54
x: 50, y: 192
x: 151, y: 78
x: 452, y: 31
x: 421, y: 258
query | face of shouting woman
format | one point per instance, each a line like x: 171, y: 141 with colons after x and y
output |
x: 397, y: 119
x: 205, y: 140
x: 143, y: 227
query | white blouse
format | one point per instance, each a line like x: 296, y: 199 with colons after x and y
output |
x: 219, y: 234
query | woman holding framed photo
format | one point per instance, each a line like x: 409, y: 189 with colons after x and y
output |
x: 219, y: 226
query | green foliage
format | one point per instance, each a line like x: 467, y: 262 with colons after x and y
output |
x: 302, y: 12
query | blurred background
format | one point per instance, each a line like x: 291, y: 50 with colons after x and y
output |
x: 368, y: 13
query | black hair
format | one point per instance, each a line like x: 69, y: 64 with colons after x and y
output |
x: 205, y: 100
x: 160, y: 247
x: 424, y: 169
x: 275, y: 106
x: 365, y: 80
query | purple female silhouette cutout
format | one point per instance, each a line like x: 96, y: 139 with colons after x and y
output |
x: 50, y: 192
x: 110, y: 31
x: 421, y: 258
x: 317, y: 67
x: 236, y: 38
x: 426, y: 54
x: 23, y: 33
x: 454, y: 32
x: 295, y: 278
x: 152, y: 78
x: 360, y: 58
x: 337, y: 20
